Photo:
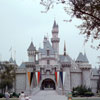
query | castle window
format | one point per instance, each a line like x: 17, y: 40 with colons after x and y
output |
x: 47, y: 52
x: 48, y: 62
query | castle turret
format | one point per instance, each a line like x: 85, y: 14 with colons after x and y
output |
x: 84, y: 65
x: 44, y: 41
x: 31, y: 53
x: 55, y: 40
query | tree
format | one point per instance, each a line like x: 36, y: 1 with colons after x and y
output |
x: 86, y: 10
x: 7, y: 75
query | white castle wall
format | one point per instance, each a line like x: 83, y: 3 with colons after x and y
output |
x: 44, y: 62
x: 20, y: 82
x: 86, y: 78
x: 94, y: 80
x: 76, y: 79
x: 94, y: 85
x: 67, y: 80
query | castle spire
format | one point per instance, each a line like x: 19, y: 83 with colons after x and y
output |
x: 55, y: 39
x: 64, y: 48
x: 31, y: 53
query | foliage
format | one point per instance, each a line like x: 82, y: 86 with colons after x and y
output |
x: 98, y: 94
x: 14, y: 95
x: 81, y: 91
x: 89, y: 12
x: 7, y: 76
x: 88, y: 94
x: 86, y: 10
x: 1, y: 95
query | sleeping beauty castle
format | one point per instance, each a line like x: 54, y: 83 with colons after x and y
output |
x: 47, y: 69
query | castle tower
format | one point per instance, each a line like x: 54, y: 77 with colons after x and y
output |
x: 55, y: 40
x: 44, y: 41
x: 84, y: 65
x: 64, y: 49
x: 31, y: 53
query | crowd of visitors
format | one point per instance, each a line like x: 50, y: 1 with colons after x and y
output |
x: 21, y: 97
x: 24, y: 97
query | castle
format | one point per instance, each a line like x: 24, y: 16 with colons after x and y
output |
x: 47, y: 69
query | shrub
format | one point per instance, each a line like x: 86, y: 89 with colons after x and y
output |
x: 2, y: 95
x: 88, y: 94
x: 82, y: 91
x: 14, y: 95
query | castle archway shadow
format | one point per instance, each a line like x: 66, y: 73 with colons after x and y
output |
x: 48, y: 84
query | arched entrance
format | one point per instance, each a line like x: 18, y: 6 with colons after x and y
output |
x: 48, y: 84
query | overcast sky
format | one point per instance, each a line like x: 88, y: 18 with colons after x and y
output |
x: 21, y: 22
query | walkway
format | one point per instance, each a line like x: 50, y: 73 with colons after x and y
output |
x: 48, y: 95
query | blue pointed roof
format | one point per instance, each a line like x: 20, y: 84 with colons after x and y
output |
x: 82, y: 58
x: 95, y: 71
x: 31, y: 47
x: 22, y: 65
x: 12, y: 61
x: 63, y: 58
x: 85, y: 58
x: 47, y: 46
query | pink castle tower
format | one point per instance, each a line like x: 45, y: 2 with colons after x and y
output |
x: 55, y: 40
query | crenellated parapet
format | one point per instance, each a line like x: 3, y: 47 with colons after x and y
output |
x: 66, y: 64
x: 30, y: 64
x: 55, y: 40
x: 84, y: 66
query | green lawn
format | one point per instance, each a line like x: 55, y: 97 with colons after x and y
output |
x: 9, y: 99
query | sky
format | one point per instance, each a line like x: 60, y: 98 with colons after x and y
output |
x: 21, y: 22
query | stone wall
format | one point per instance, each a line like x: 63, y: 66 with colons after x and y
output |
x: 94, y: 80
x: 86, y: 76
x: 76, y: 79
x: 20, y: 82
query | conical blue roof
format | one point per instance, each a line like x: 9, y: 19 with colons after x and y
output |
x: 47, y: 46
x: 22, y: 65
x: 31, y: 47
x: 82, y: 58
x: 85, y: 58
x: 12, y: 61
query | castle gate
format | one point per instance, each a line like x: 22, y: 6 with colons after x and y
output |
x: 48, y: 84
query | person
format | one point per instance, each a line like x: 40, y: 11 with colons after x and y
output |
x: 26, y: 97
x: 22, y: 96
x: 7, y: 95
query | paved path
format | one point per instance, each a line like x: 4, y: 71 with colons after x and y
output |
x: 48, y: 95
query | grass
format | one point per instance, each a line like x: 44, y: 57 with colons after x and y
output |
x: 9, y: 99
